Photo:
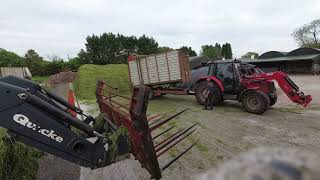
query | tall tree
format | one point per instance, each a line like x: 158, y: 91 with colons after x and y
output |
x: 308, y: 35
x: 226, y: 51
x: 188, y: 50
x: 109, y: 48
x: 10, y: 59
x: 211, y: 51
x: 147, y: 45
x: 250, y: 54
x: 34, y: 62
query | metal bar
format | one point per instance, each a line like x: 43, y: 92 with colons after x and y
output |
x: 172, y: 139
x: 155, y: 125
x: 176, y: 158
x: 175, y: 143
x: 174, y: 134
x: 119, y: 104
x: 165, y: 131
x: 117, y: 94
x: 152, y: 117
x: 112, y: 125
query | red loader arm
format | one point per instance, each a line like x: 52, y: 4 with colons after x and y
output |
x: 287, y: 85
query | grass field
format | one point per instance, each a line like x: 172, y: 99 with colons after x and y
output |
x: 115, y: 75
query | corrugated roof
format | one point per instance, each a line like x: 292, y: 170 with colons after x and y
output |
x: 285, y: 58
x: 272, y: 54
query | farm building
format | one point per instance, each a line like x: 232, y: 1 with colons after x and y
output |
x: 298, y: 61
x: 22, y: 72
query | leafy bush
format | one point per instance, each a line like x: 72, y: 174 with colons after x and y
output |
x: 17, y: 161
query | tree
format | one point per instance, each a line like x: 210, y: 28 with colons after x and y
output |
x: 250, y: 54
x: 109, y: 48
x: 164, y: 49
x: 147, y: 45
x: 308, y: 35
x: 211, y: 51
x: 226, y: 51
x: 10, y: 59
x: 188, y: 50
x: 34, y: 62
x: 73, y: 64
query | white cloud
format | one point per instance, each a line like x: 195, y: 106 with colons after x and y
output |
x: 60, y: 26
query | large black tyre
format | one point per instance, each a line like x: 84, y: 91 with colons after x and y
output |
x: 255, y: 102
x: 273, y: 100
x: 201, y: 91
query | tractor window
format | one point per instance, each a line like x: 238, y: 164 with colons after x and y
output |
x: 212, y: 70
x: 225, y: 70
x: 226, y: 76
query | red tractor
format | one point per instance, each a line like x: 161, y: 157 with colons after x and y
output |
x: 233, y: 80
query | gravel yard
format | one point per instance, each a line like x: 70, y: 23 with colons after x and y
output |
x: 227, y: 131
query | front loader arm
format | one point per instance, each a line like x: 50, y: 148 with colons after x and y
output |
x: 42, y: 120
x: 39, y: 122
x: 288, y: 87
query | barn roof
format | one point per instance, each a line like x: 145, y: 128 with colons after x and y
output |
x: 285, y: 58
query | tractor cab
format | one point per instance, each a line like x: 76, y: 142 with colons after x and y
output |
x: 228, y: 72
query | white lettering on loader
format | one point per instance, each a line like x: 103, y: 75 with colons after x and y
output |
x: 24, y: 121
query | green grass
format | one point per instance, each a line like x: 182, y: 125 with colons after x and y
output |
x: 40, y: 79
x: 115, y: 75
x: 17, y: 161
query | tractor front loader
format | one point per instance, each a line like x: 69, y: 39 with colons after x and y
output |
x: 41, y: 119
x: 245, y: 83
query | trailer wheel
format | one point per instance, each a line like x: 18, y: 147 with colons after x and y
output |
x: 273, y: 100
x: 255, y: 102
x: 201, y: 93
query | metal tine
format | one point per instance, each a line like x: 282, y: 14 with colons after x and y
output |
x: 175, y: 143
x: 156, y: 120
x: 156, y: 125
x: 177, y: 157
x: 165, y: 131
x: 149, y: 117
x: 174, y: 134
x: 158, y: 147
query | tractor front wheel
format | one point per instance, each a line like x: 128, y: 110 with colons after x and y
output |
x: 255, y: 102
x: 273, y: 100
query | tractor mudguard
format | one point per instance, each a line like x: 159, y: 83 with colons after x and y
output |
x: 214, y: 79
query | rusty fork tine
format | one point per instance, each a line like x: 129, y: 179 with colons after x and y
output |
x: 149, y: 118
x: 173, y: 144
x: 165, y: 131
x: 177, y: 157
x: 167, y: 142
x: 171, y: 136
x: 157, y: 124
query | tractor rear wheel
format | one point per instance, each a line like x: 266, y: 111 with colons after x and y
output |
x: 273, y: 100
x: 255, y: 102
x: 202, y: 91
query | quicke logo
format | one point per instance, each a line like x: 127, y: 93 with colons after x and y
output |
x: 24, y: 121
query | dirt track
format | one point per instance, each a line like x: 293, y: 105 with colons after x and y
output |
x: 228, y: 130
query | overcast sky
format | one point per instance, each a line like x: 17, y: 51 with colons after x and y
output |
x: 60, y: 27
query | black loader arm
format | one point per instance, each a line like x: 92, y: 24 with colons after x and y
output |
x: 39, y: 119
